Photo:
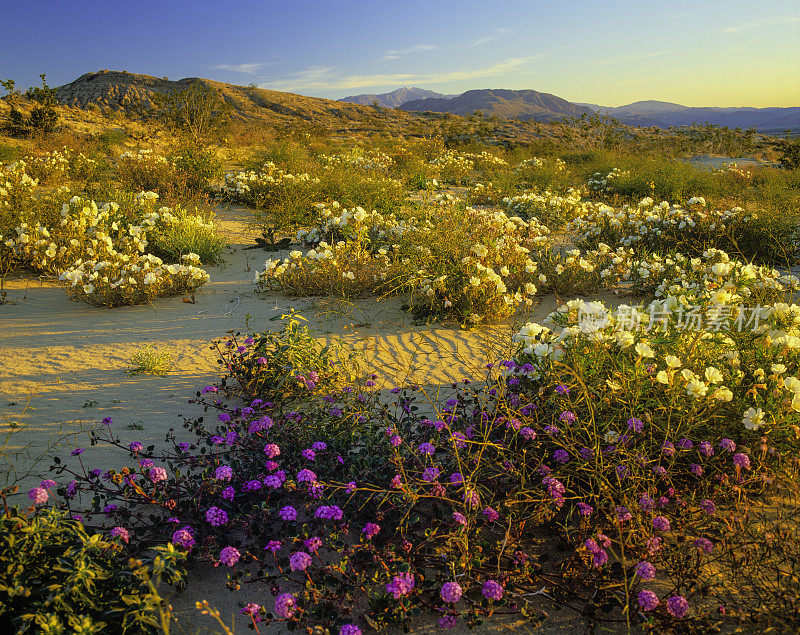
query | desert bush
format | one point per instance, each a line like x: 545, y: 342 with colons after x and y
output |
x: 454, y: 168
x: 281, y: 199
x: 99, y: 253
x: 691, y: 229
x: 198, y: 112
x: 285, y: 365
x: 149, y: 360
x: 184, y: 178
x: 180, y: 232
x: 56, y: 576
x: 551, y: 209
x: 9, y: 152
x: 63, y: 165
x: 355, y: 186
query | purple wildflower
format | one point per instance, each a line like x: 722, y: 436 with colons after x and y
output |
x: 459, y: 518
x: 216, y: 516
x: 647, y: 600
x: 183, y: 538
x: 299, y: 560
x: 313, y: 543
x: 451, y: 592
x: 285, y: 605
x: 401, y: 585
x: 492, y: 590
x: 727, y: 444
x: 567, y: 417
x: 704, y: 544
x: 491, y: 514
x: 708, y: 506
x: 635, y: 424
x: 229, y: 556
x: 288, y: 513
x: 645, y: 570
x: 561, y: 456
x: 121, y: 533
x: 370, y: 530
x: 427, y: 448
x: 271, y: 450
x: 38, y: 495
x: 677, y: 606
x: 741, y: 460
x: 223, y: 473
x: 306, y: 476
x: 661, y: 523
x: 157, y: 474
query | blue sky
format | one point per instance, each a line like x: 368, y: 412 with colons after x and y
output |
x: 698, y: 53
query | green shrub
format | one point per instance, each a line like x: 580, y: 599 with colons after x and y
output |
x: 181, y: 233
x: 55, y: 577
x: 148, y: 360
x: 285, y: 365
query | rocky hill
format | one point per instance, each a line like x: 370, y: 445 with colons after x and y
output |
x: 396, y: 97
x: 135, y: 93
x: 525, y: 105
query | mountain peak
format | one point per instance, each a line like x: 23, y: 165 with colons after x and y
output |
x: 395, y: 98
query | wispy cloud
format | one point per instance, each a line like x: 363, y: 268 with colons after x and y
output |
x: 419, y: 48
x: 422, y: 48
x: 324, y: 78
x: 250, y: 69
x: 759, y: 24
x: 628, y: 58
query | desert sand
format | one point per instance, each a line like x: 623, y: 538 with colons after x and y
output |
x: 65, y: 367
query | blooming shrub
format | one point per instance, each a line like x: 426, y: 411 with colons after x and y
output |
x: 285, y: 198
x: 690, y: 230
x: 549, y: 208
x: 600, y: 183
x: 179, y: 233
x: 63, y: 165
x: 285, y: 365
x: 182, y: 177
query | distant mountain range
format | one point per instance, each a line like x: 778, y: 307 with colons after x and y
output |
x: 396, y: 97
x: 525, y: 105
x: 528, y: 105
x: 665, y: 114
x: 120, y: 90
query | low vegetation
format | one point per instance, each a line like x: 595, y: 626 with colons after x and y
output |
x: 637, y: 464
